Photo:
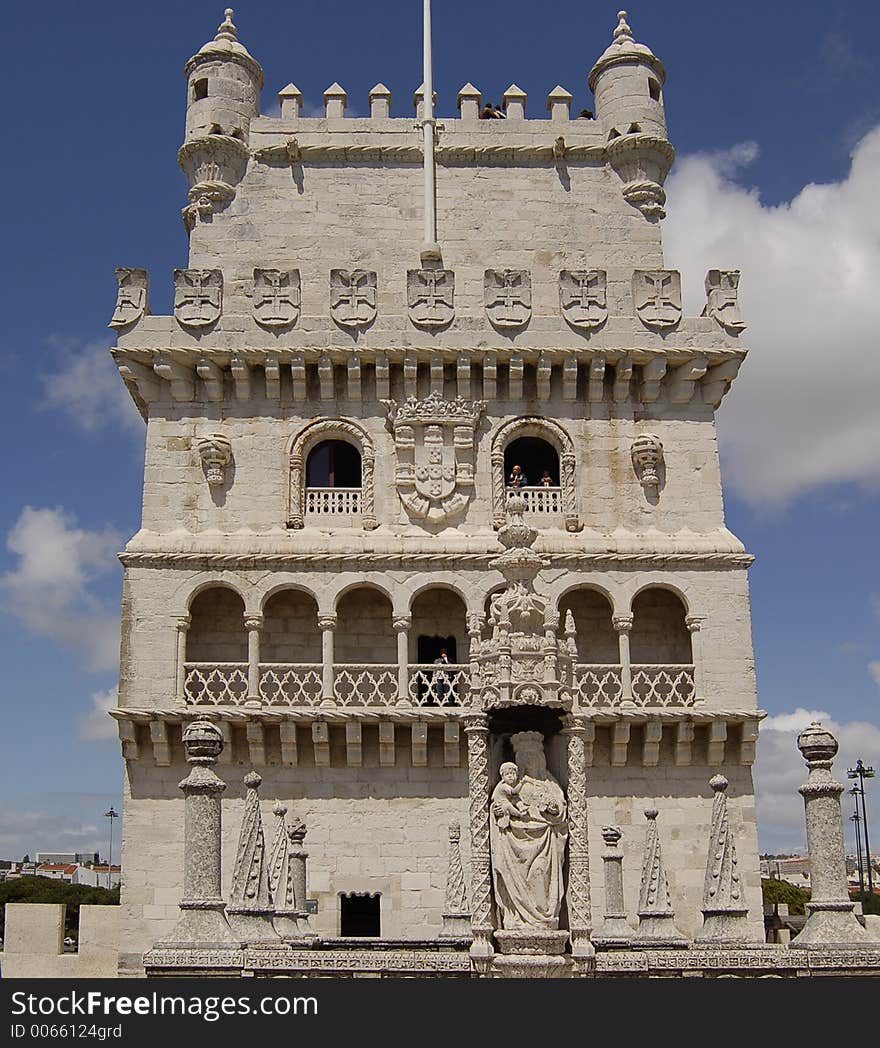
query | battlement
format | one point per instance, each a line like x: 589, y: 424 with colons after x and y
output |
x: 33, y: 942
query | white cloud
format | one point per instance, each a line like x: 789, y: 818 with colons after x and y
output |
x: 27, y: 831
x: 780, y: 770
x: 803, y: 411
x: 874, y: 670
x: 86, y: 387
x: 96, y: 725
x: 48, y: 589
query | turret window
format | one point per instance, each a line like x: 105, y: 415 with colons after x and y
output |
x: 200, y: 89
x: 654, y: 89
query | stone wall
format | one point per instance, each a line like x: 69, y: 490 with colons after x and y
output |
x: 290, y: 628
x: 33, y: 940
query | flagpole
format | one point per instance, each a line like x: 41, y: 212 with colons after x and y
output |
x: 430, y: 247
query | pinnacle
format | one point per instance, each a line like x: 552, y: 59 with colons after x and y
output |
x: 623, y: 33
x: 227, y: 30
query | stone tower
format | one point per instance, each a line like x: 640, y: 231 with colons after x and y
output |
x: 359, y: 459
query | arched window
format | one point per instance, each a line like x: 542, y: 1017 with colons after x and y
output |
x: 538, y: 446
x: 537, y: 459
x: 331, y: 475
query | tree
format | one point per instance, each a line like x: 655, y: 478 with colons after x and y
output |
x: 46, y: 889
x: 774, y: 891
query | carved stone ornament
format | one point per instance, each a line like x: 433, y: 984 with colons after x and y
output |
x: 198, y: 296
x: 213, y: 165
x: 508, y: 297
x: 583, y: 297
x: 353, y: 297
x: 430, y: 295
x: 657, y: 297
x: 722, y: 299
x: 132, y: 298
x: 215, y: 452
x: 276, y: 297
x: 647, y: 455
x: 434, y: 439
x: 331, y: 429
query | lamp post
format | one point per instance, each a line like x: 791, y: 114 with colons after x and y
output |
x: 856, y: 819
x: 111, y: 814
x: 862, y: 772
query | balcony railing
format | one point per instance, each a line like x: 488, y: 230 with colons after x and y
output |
x: 365, y: 685
x: 663, y: 685
x: 283, y: 684
x: 542, y: 501
x: 215, y: 683
x: 598, y: 685
x: 333, y: 502
x: 432, y: 685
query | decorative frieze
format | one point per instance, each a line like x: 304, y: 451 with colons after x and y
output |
x: 132, y: 297
x: 353, y: 297
x: 508, y: 297
x: 583, y: 297
x: 276, y: 297
x: 430, y: 297
x: 657, y: 297
x: 198, y: 297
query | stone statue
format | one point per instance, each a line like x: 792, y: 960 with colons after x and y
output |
x: 528, y: 831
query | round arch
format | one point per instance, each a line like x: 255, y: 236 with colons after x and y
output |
x: 555, y: 435
x: 332, y: 429
x: 659, y: 632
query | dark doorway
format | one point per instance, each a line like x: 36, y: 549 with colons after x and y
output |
x: 334, y: 464
x: 534, y: 456
x: 359, y: 915
x: 436, y: 687
x: 429, y: 648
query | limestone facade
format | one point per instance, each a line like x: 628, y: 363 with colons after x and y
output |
x: 331, y: 422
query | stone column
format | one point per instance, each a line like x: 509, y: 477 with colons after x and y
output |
x: 287, y: 877
x: 623, y: 624
x: 327, y: 626
x: 183, y: 624
x: 402, y: 626
x: 694, y: 624
x: 456, y: 912
x: 578, y: 892
x: 253, y: 624
x: 202, y: 920
x: 725, y: 916
x: 831, y: 920
x: 615, y: 929
x: 477, y: 732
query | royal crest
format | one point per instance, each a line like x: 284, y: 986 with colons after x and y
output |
x: 508, y: 297
x: 430, y: 295
x: 276, y: 297
x: 722, y: 298
x: 583, y: 297
x: 434, y: 440
x: 132, y: 298
x: 198, y: 296
x: 353, y: 297
x: 657, y: 297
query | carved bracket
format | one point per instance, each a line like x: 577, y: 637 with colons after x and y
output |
x: 215, y: 452
x: 647, y: 458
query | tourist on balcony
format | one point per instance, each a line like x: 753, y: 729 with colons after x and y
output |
x: 441, y: 680
x: 517, y: 478
x: 546, y: 479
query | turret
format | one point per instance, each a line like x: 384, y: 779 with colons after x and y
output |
x: 223, y: 84
x: 627, y: 82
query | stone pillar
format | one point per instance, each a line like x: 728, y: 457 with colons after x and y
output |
x: 725, y: 917
x: 694, y: 624
x: 475, y: 623
x: 287, y: 877
x: 327, y: 626
x: 830, y: 917
x: 477, y: 732
x: 623, y: 624
x: 250, y: 907
x: 402, y: 626
x: 456, y: 912
x: 578, y: 892
x: 615, y: 929
x: 253, y: 624
x: 656, y: 916
x: 183, y: 624
x: 202, y: 920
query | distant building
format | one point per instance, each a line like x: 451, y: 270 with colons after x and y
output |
x: 795, y: 870
x: 83, y: 858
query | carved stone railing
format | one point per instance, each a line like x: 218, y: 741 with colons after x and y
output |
x: 285, y: 684
x: 663, y: 685
x: 598, y: 684
x: 373, y: 684
x: 333, y: 502
x: 541, y: 501
x: 215, y: 683
x: 431, y: 685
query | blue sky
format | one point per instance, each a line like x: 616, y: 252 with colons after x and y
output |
x: 762, y: 101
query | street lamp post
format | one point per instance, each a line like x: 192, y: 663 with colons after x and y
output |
x: 111, y: 814
x: 862, y: 772
x: 856, y: 819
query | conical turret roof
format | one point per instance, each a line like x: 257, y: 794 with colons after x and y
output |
x: 624, y: 48
x: 226, y: 45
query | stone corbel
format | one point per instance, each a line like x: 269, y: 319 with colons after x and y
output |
x: 213, y: 165
x: 684, y: 379
x: 652, y: 377
x: 718, y: 380
x: 215, y: 452
x: 647, y: 459
x: 211, y: 375
x: 181, y: 377
x: 141, y: 382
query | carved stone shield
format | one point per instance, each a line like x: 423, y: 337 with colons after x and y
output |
x: 722, y: 298
x: 430, y: 295
x: 657, y: 297
x: 435, y: 465
x: 508, y: 297
x: 276, y: 297
x: 353, y: 297
x: 132, y: 297
x: 583, y: 297
x: 198, y: 296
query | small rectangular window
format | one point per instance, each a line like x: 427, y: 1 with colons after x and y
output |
x: 359, y: 915
x: 654, y: 89
x: 200, y: 89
